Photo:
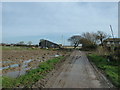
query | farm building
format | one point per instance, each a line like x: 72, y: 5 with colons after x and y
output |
x: 48, y: 44
x: 112, y: 41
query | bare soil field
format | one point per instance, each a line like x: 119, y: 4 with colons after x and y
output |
x: 24, y: 60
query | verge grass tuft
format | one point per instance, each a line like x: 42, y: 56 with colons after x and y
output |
x: 110, y: 70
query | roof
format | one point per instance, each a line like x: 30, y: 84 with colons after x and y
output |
x: 112, y: 39
x: 49, y: 42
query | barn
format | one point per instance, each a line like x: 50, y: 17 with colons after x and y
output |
x: 48, y: 44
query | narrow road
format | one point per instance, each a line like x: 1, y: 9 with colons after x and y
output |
x: 76, y: 73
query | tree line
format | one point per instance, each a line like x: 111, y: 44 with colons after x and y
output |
x: 88, y: 39
x: 23, y: 43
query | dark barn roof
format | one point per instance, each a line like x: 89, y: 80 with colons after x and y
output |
x: 48, y: 44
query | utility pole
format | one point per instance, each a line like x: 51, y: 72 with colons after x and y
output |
x: 113, y: 38
x: 112, y: 34
x: 112, y: 31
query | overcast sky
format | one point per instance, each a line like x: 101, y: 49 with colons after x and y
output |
x: 55, y: 21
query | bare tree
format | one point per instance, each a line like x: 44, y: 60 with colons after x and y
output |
x: 90, y: 37
x: 101, y: 36
x: 85, y: 42
x: 75, y: 40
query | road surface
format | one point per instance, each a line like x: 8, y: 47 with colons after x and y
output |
x: 77, y: 72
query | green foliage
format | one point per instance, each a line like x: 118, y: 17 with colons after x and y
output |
x: 89, y: 47
x: 111, y: 70
x: 32, y: 76
x: 28, y: 79
x: 112, y: 73
x: 7, y: 82
x: 87, y: 44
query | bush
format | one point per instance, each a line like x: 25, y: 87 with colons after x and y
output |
x: 89, y: 47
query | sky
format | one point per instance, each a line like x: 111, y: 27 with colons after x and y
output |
x: 56, y: 21
x: 0, y: 22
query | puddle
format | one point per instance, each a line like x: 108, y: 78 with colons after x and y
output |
x: 25, y: 64
x: 57, y: 55
x: 27, y: 61
x: 14, y: 65
x: 1, y: 68
x: 15, y: 74
x: 24, y: 68
x: 6, y: 61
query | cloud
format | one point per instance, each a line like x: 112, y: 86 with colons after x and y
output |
x: 67, y: 18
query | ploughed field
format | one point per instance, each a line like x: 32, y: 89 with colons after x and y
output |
x: 16, y: 62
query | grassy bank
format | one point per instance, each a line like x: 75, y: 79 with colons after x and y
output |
x: 32, y: 76
x: 109, y: 68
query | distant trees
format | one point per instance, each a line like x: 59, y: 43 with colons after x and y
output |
x: 30, y: 42
x: 101, y: 36
x: 21, y: 43
x: 75, y: 40
x: 87, y: 44
x: 97, y: 37
x: 91, y: 37
x: 88, y: 40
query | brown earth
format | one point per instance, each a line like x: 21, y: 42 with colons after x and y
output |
x: 19, y: 56
x: 75, y: 72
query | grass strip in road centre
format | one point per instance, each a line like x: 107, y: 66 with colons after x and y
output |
x: 110, y: 69
x: 32, y: 76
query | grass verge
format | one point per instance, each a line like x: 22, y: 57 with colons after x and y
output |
x: 109, y: 68
x: 32, y: 76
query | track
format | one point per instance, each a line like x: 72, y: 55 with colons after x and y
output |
x: 77, y: 72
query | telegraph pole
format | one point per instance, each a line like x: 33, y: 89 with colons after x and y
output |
x: 113, y: 38
x: 112, y: 34
x: 112, y: 31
